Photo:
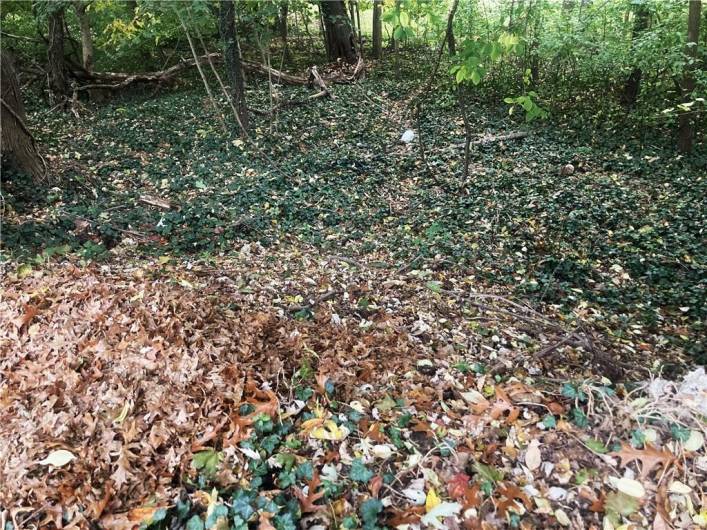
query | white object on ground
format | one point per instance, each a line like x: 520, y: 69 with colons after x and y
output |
x: 408, y: 136
x: 692, y: 392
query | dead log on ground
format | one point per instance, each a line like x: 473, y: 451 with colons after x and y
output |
x: 489, y: 139
x: 163, y: 204
x: 117, y: 80
x: 316, y: 79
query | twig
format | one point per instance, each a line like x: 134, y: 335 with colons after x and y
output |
x: 318, y: 300
x: 407, y: 266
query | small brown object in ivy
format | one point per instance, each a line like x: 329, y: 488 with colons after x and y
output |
x: 566, y: 170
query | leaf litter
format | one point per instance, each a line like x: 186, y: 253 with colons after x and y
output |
x: 287, y: 388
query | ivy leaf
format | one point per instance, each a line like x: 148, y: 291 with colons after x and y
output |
x: 579, y: 418
x: 568, y: 390
x: 195, y: 523
x: 550, y: 421
x: 305, y: 471
x: 680, y: 434
x: 286, y: 479
x: 434, y: 286
x: 369, y: 511
x: 285, y: 521
x: 241, y: 504
x: 619, y: 504
x: 219, y: 511
x: 359, y: 472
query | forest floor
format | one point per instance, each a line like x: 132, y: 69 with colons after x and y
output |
x: 322, y: 327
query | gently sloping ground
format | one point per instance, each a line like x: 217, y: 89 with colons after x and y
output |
x: 621, y: 237
x: 172, y: 395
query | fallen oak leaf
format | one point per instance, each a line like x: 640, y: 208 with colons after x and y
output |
x: 329, y: 431
x: 510, y: 494
x: 533, y: 458
x: 31, y: 311
x: 407, y: 516
x: 457, y: 486
x: 264, y: 401
x: 472, y: 499
x: 375, y: 434
x: 99, y: 507
x: 502, y: 405
x: 432, y: 500
x: 650, y: 457
x: 307, y: 501
x: 421, y: 426
x: 322, y: 380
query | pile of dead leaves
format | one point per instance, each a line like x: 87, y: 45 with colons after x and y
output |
x: 167, y: 400
x: 108, y: 382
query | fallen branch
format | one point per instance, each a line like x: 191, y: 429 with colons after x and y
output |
x: 114, y: 81
x: 488, y: 139
x: 157, y: 202
x: 276, y: 75
x: 315, y: 78
x: 325, y: 297
x: 118, y: 80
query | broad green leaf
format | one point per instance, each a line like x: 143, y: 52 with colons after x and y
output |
x: 404, y: 19
x: 487, y: 472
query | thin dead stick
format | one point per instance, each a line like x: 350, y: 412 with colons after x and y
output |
x: 223, y: 87
x: 201, y: 72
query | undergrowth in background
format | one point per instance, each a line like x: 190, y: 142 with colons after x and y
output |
x: 624, y: 234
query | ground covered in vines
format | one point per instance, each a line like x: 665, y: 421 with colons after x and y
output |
x: 323, y: 326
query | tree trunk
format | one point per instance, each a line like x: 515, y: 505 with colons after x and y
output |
x: 360, y: 31
x: 86, y: 40
x: 16, y: 140
x: 58, y: 88
x: 232, y: 59
x: 451, y: 42
x: 284, y: 11
x: 632, y: 88
x: 393, y: 41
x: 377, y: 29
x: 340, y: 41
x: 685, y: 130
x: 131, y: 5
x: 352, y: 17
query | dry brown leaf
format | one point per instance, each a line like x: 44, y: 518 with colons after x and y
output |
x: 661, y: 504
x: 510, y: 494
x: 457, y: 485
x: 407, y: 516
x: 264, y: 521
x: 129, y: 520
x: 24, y: 321
x: 375, y: 485
x: 650, y: 457
x: 307, y: 501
